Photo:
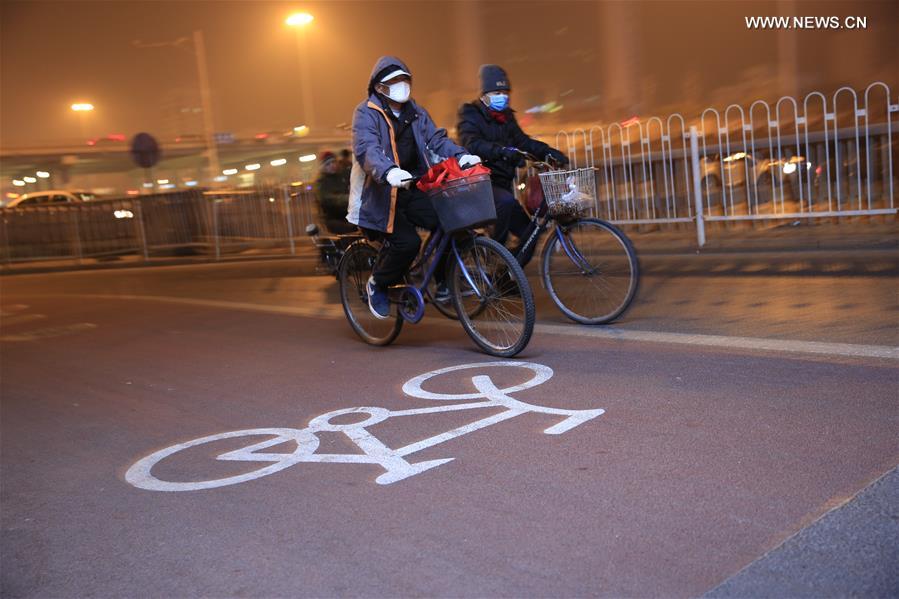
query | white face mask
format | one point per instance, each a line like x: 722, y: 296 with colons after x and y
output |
x: 399, y: 92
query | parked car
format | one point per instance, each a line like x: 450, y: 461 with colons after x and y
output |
x: 51, y: 196
x: 762, y: 178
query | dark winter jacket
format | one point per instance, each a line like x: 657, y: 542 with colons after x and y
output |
x: 484, y: 136
x: 372, y: 200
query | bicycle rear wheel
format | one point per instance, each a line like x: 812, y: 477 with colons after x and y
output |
x: 593, y: 276
x: 352, y: 275
x: 494, y: 301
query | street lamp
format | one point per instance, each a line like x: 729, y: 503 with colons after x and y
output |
x: 299, y: 21
x: 82, y: 109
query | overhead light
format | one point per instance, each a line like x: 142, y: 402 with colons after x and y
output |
x: 253, y: 167
x: 162, y: 181
x: 148, y: 185
x: 307, y: 158
x: 43, y: 174
x: 30, y: 179
x: 221, y: 178
x: 82, y: 107
x: 132, y: 192
x: 299, y: 19
x: 229, y: 171
x: 18, y: 183
x: 279, y: 162
x: 190, y: 183
x: 124, y: 213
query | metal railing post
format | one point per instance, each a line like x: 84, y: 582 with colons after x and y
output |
x: 697, y: 186
x: 293, y: 248
x: 215, y: 228
x: 78, y: 250
x: 7, y: 246
x: 141, y: 230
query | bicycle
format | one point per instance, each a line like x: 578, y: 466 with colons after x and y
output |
x: 489, y: 291
x: 588, y: 266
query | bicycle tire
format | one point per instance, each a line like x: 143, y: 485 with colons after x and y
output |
x: 505, y: 283
x: 352, y: 275
x: 619, y: 249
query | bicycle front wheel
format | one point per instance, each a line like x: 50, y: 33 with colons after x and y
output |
x: 492, y: 297
x: 590, y: 270
x: 352, y: 275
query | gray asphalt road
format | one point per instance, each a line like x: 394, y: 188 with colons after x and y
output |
x: 704, y: 460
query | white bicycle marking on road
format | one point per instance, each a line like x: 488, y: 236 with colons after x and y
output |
x: 374, y: 451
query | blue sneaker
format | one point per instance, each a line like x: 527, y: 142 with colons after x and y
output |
x: 378, y: 302
x: 442, y: 294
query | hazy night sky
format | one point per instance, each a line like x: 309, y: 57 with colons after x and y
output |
x: 54, y: 53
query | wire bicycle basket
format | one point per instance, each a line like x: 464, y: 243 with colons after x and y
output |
x: 570, y: 193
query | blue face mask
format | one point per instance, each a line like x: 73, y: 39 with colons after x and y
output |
x: 499, y: 101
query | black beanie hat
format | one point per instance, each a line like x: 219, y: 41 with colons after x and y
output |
x: 493, y: 78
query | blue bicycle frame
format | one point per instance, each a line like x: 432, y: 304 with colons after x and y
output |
x: 436, y: 245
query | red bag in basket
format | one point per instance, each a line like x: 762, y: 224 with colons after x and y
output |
x: 533, y: 194
x: 448, y: 170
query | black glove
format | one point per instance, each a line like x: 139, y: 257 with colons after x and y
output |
x: 557, y: 156
x: 513, y: 157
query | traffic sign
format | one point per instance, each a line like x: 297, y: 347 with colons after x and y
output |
x: 145, y: 150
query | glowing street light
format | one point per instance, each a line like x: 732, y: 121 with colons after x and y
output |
x: 299, y: 19
x: 82, y: 107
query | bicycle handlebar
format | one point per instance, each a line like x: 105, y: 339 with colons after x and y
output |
x: 549, y: 161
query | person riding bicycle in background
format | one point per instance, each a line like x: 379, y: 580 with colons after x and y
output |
x: 488, y: 128
x: 332, y: 188
x: 394, y: 140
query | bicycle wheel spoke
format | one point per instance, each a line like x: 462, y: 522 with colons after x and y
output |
x: 353, y: 273
x: 597, y: 281
x: 501, y: 319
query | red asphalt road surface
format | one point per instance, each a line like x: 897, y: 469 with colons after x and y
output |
x: 703, y: 461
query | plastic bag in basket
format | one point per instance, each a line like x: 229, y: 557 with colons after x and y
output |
x: 446, y: 171
x: 574, y: 201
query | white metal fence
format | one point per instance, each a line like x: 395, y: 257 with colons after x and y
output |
x: 820, y: 157
x: 209, y: 222
x: 826, y: 156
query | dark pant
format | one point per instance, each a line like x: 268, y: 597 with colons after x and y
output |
x: 413, y: 209
x: 510, y: 216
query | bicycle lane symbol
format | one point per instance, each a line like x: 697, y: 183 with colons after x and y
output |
x: 393, y: 461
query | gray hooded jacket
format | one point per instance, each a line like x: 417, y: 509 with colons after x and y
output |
x: 372, y: 202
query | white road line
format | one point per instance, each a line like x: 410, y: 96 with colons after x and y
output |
x: 572, y: 330
x: 50, y: 332
x: 754, y: 343
x: 8, y: 321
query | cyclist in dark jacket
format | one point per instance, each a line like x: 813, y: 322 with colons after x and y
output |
x: 487, y: 128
